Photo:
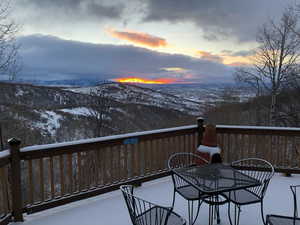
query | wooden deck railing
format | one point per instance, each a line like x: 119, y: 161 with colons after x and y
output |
x: 61, y: 173
x: 279, y: 146
x: 5, y: 191
x: 56, y: 174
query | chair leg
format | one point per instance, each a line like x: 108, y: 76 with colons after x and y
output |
x: 229, y: 214
x: 192, y: 220
x: 173, y: 202
x: 217, y: 210
x: 190, y: 211
x: 262, y: 212
x: 218, y: 214
x: 237, y: 211
x: 210, y: 214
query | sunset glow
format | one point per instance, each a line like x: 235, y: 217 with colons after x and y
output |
x: 145, y: 81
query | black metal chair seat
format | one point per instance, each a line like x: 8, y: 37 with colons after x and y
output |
x: 242, y: 197
x: 216, y: 200
x: 150, y: 217
x: 282, y: 220
x: 143, y: 212
x: 286, y: 220
x: 190, y: 193
x: 187, y: 191
x: 258, y: 169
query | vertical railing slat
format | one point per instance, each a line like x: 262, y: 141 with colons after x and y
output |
x: 41, y: 171
x: 70, y: 173
x: 51, y: 176
x: 30, y: 181
x: 62, y: 177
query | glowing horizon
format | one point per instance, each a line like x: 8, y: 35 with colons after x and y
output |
x: 145, y: 81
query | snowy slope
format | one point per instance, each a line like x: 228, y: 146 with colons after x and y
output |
x: 134, y: 94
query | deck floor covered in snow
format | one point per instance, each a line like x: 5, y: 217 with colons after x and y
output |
x: 110, y: 208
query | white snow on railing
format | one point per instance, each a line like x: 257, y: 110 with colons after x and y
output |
x: 259, y: 127
x: 107, y: 138
x: 137, y: 134
x: 4, y: 153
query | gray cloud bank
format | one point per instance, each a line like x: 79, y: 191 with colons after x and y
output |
x: 49, y: 58
x: 218, y: 19
x: 66, y: 11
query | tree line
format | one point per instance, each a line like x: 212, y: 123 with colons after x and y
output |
x: 273, y: 75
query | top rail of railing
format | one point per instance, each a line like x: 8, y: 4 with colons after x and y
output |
x: 259, y: 130
x: 4, y: 158
x: 38, y: 151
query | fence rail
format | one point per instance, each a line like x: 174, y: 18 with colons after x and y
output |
x: 56, y: 174
x: 5, y: 192
x: 277, y: 145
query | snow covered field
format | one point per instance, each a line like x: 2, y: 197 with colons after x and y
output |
x: 110, y: 209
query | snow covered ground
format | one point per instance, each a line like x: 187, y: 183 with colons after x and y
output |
x: 110, y: 209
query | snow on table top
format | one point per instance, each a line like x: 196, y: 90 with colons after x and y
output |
x: 110, y: 208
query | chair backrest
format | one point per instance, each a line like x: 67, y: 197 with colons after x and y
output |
x: 143, y: 212
x: 259, y: 169
x: 294, y: 189
x: 182, y: 160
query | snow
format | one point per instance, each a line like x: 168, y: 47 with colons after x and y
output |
x: 81, y: 111
x: 110, y: 208
x: 207, y: 149
x: 259, y: 127
x: 52, y: 121
x: 4, y: 153
x: 145, y: 96
x: 137, y: 134
x: 107, y: 138
x: 19, y: 92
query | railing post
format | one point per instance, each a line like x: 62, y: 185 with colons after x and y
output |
x: 14, y: 146
x: 200, y: 123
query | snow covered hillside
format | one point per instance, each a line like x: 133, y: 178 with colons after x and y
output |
x: 42, y: 115
x: 128, y: 93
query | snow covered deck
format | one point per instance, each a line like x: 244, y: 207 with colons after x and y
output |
x: 110, y: 208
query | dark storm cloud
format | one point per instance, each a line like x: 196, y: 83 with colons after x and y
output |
x: 218, y: 19
x: 48, y: 57
x: 61, y: 11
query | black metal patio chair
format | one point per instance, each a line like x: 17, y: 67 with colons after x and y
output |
x: 143, y: 212
x: 189, y: 192
x: 258, y: 169
x: 286, y: 220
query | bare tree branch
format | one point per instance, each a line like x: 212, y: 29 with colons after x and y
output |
x: 9, y: 64
x: 275, y: 60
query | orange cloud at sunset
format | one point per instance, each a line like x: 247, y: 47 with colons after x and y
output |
x: 236, y: 60
x: 209, y: 56
x: 138, y: 38
x: 145, y: 81
x: 226, y: 58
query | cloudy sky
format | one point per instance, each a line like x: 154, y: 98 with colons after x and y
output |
x: 170, y: 40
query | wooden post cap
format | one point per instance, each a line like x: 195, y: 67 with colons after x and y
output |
x: 14, y: 141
